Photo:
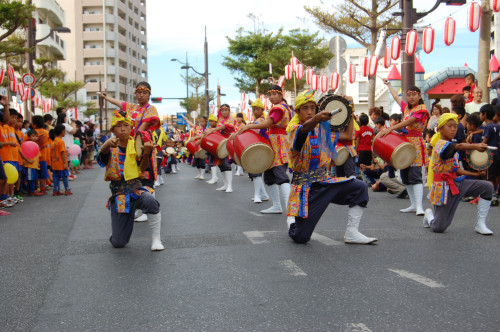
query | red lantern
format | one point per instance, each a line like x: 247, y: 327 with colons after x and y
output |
x: 2, y: 75
x: 364, y: 66
x: 288, y: 72
x: 299, y: 70
x: 395, y: 48
x: 449, y: 31
x: 13, y: 85
x: 293, y: 63
x: 20, y: 90
x: 243, y: 101
x: 281, y: 81
x: 334, y: 81
x: 352, y: 73
x: 324, y: 83
x: 428, y: 40
x: 51, y: 103
x: 27, y: 93
x: 314, y: 82
x: 309, y: 75
x: 495, y: 5
x: 387, y: 58
x: 494, y: 65
x: 474, y: 16
x: 372, y: 66
x: 411, y: 42
x: 37, y: 101
x: 10, y: 73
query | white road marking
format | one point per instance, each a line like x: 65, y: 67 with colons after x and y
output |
x: 325, y: 240
x: 294, y: 269
x: 353, y: 327
x: 255, y: 237
x: 418, y: 278
x: 256, y: 214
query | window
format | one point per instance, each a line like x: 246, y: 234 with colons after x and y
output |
x: 363, y: 90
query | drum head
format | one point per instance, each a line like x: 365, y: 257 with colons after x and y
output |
x: 342, y: 155
x: 202, y: 154
x: 222, y: 150
x: 341, y: 120
x: 479, y: 161
x: 170, y: 150
x: 257, y: 158
x: 403, y: 156
x: 138, y: 145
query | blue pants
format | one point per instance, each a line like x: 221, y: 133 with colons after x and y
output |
x: 122, y: 224
x: 350, y: 193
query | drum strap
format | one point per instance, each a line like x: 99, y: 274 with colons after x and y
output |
x: 317, y: 175
x: 413, y: 133
x: 449, y: 179
x: 277, y: 131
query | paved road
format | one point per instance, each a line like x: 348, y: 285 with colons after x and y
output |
x: 226, y: 267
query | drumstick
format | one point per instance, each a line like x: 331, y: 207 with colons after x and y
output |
x: 338, y: 110
x: 492, y: 147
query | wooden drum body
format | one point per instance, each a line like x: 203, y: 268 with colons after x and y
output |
x: 230, y: 150
x: 342, y: 155
x: 395, y: 150
x: 253, y: 152
x: 215, y: 144
x: 192, y: 148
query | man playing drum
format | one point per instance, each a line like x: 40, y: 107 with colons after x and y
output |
x: 313, y: 189
x: 199, y: 163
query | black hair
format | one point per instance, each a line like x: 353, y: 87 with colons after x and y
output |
x: 25, y: 122
x: 239, y: 115
x: 277, y: 87
x: 466, y: 88
x: 58, y: 110
x: 471, y: 76
x: 385, y: 116
x: 225, y: 105
x: 78, y: 123
x: 474, y: 120
x: 48, y: 117
x: 380, y: 120
x: 488, y: 111
x: 397, y: 117
x: 460, y: 111
x: 13, y: 112
x: 37, y: 120
x: 89, y: 133
x: 363, y: 119
x: 59, y: 128
x: 31, y: 132
x: 61, y: 117
x: 417, y: 89
x: 52, y: 134
x: 146, y: 84
x: 430, y: 132
x: 204, y: 117
x: 497, y: 110
x: 20, y: 116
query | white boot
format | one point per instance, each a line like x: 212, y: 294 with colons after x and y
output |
x: 352, y: 235
x: 174, y: 168
x: 428, y: 218
x: 139, y: 216
x: 274, y: 192
x: 285, y: 192
x: 290, y: 221
x: 229, y: 178
x: 483, y: 207
x: 197, y: 176
x: 239, y: 171
x: 224, y: 179
x: 201, y: 176
x: 154, y: 223
x: 263, y: 194
x: 411, y: 194
x: 418, y: 191
x: 161, y: 179
x: 258, y: 183
x: 214, y: 178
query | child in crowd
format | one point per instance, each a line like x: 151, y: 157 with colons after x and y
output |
x: 364, y: 138
x: 43, y: 143
x: 32, y: 167
x: 491, y: 137
x: 379, y: 124
x: 60, y: 161
x: 118, y: 155
x: 90, y: 148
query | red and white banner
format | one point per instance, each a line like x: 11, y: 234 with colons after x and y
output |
x: 288, y: 72
x: 495, y: 5
x: 309, y: 75
x: 281, y: 81
x: 372, y: 65
x: 293, y: 63
x: 324, y: 83
x: 10, y: 73
x: 27, y: 93
x: 395, y: 48
x: 243, y: 101
x: 13, y: 85
x: 20, y: 90
x: 37, y: 102
x: 428, y: 40
x: 364, y: 66
x: 352, y: 73
x: 387, y: 58
x: 51, y: 103
x: 2, y: 75
x: 473, y: 16
x: 334, y: 81
x: 314, y: 82
x: 411, y: 42
x: 299, y: 70
x: 75, y: 114
x: 449, y: 31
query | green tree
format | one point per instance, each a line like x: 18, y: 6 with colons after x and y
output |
x: 251, y: 52
x: 361, y: 20
x: 13, y: 15
x: 198, y: 98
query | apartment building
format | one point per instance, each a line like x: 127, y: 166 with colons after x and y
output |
x: 108, y: 46
x: 49, y: 15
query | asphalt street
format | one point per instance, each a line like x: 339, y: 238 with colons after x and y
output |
x: 226, y: 267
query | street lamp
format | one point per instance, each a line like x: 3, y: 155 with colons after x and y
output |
x: 186, y: 66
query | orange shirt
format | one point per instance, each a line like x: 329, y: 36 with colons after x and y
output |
x: 20, y: 139
x: 14, y: 149
x: 58, y: 155
x: 43, y: 143
x: 5, y: 151
x: 35, y: 164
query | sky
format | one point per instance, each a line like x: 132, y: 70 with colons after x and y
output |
x: 174, y: 30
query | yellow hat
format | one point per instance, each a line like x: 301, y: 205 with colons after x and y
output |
x: 120, y: 116
x: 258, y: 103
x: 303, y: 98
x: 212, y: 117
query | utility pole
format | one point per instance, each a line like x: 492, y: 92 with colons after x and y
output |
x: 207, y: 97
x: 484, y: 49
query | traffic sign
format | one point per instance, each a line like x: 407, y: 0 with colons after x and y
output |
x: 337, y: 64
x: 29, y: 79
x: 180, y: 119
x: 337, y: 45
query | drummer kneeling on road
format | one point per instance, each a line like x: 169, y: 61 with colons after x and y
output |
x: 313, y: 189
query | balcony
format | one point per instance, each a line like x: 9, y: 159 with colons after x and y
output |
x: 53, y: 11
x: 54, y: 44
x: 93, y: 35
x: 93, y: 53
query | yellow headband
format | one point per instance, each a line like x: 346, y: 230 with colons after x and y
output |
x: 118, y: 116
x: 277, y: 91
x: 258, y: 103
x: 142, y: 88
